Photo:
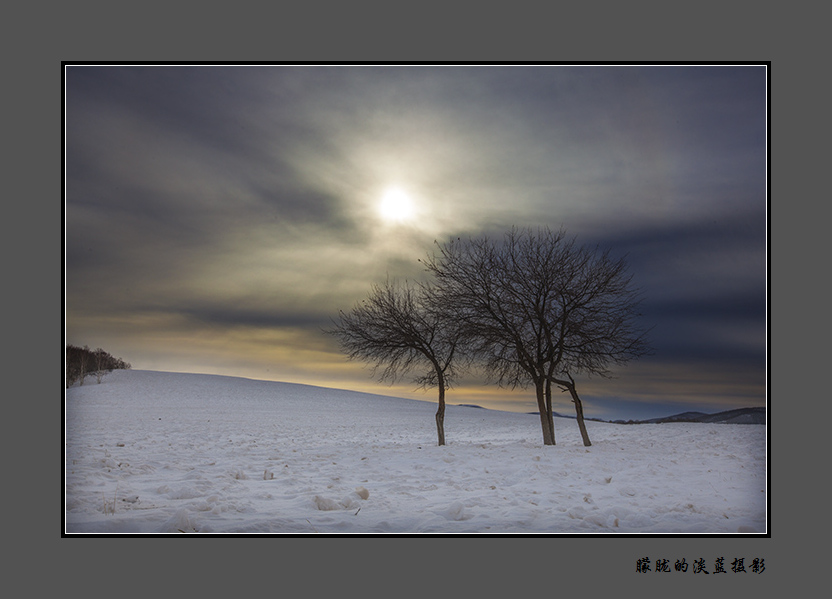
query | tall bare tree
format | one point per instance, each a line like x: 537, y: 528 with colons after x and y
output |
x: 535, y: 307
x: 599, y: 310
x: 399, y: 328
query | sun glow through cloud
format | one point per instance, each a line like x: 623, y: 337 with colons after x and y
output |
x: 396, y: 206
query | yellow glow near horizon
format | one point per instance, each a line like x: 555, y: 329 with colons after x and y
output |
x: 396, y: 206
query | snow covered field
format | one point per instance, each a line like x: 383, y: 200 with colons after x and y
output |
x: 156, y: 452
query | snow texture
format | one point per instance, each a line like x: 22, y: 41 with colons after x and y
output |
x: 156, y: 452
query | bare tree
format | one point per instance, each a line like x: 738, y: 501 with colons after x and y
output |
x: 102, y: 364
x: 79, y: 360
x: 83, y: 360
x: 599, y: 313
x: 535, y: 308
x: 75, y: 364
x: 480, y: 282
x: 397, y: 329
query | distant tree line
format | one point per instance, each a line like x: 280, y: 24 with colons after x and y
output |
x: 533, y: 309
x: 82, y: 362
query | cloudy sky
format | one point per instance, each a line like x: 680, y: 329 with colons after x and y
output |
x: 218, y: 217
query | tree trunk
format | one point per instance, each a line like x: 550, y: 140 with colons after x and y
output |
x: 550, y: 417
x: 548, y: 436
x: 440, y: 412
x: 579, y: 412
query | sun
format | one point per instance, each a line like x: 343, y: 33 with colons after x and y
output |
x: 396, y: 206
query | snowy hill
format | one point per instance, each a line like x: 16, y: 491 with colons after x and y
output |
x: 169, y: 453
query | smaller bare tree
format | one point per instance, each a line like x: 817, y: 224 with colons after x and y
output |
x: 399, y: 328
x: 598, y: 310
x: 82, y: 365
x: 102, y: 365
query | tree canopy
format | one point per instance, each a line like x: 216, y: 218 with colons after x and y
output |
x: 535, y: 308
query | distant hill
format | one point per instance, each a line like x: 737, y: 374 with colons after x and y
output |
x: 739, y: 416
